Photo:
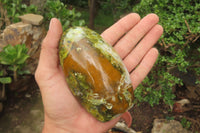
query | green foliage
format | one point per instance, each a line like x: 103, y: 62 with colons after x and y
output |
x: 15, y: 8
x: 116, y: 7
x: 185, y: 123
x: 4, y: 79
x: 150, y: 92
x: 169, y: 118
x: 52, y: 8
x: 173, y: 15
x: 68, y: 17
x: 79, y: 3
x: 179, y: 47
x: 15, y: 57
x: 101, y: 18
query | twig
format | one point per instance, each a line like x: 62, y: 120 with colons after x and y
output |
x: 165, y: 45
x: 196, y: 39
x: 194, y: 66
x: 196, y: 106
x: 163, y: 42
x: 170, y: 68
x: 187, y: 25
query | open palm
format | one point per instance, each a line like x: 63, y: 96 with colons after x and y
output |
x: 132, y: 39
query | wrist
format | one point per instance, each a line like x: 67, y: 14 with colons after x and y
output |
x: 53, y: 127
x: 50, y: 128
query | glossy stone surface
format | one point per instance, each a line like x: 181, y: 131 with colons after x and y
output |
x: 95, y: 73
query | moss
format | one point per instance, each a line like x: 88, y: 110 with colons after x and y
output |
x: 92, y: 101
x: 64, y: 47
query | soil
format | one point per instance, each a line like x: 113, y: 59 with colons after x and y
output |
x: 144, y: 115
x: 23, y: 112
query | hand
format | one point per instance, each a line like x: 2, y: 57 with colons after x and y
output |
x: 131, y: 37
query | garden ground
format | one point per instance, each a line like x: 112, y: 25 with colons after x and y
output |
x: 23, y: 112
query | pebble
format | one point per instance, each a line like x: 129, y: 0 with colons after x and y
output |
x: 168, y: 126
x: 27, y: 95
x: 33, y: 19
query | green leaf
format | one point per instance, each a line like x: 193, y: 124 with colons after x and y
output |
x: 24, y: 6
x: 22, y: 72
x: 19, y: 50
x: 1, y: 73
x: 81, y: 22
x: 22, y: 59
x: 13, y: 55
x: 78, y: 14
x: 5, y: 80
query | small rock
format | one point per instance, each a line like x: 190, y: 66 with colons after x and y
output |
x: 18, y: 33
x: 183, y: 101
x: 168, y: 126
x: 178, y: 106
x: 27, y: 95
x: 32, y: 19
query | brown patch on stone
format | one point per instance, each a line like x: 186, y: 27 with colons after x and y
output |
x: 17, y: 33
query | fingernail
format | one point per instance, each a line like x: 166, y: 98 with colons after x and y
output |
x: 51, y: 23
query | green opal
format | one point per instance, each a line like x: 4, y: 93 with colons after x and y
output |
x: 95, y: 73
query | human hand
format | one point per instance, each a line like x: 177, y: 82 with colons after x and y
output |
x: 132, y: 39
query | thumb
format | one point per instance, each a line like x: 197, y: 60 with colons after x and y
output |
x: 49, y: 59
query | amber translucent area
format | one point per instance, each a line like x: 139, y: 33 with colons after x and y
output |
x: 101, y: 75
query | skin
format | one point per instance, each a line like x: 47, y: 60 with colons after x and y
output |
x: 133, y: 39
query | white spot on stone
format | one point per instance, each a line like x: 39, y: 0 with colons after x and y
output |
x: 75, y: 34
x: 78, y: 49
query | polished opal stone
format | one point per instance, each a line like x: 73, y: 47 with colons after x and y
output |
x: 95, y: 73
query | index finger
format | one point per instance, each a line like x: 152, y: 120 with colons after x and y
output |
x: 117, y: 30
